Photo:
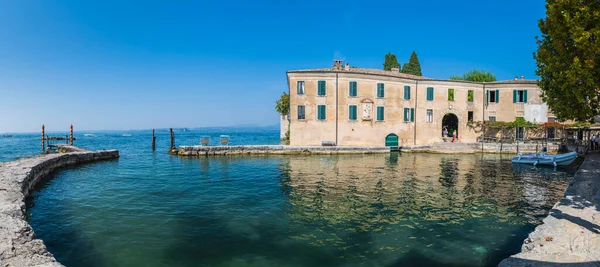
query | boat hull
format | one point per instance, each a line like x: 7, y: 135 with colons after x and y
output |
x: 551, y: 160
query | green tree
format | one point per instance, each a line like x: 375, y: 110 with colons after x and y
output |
x: 475, y: 76
x: 282, y: 105
x: 390, y: 61
x: 413, y: 66
x: 568, y: 58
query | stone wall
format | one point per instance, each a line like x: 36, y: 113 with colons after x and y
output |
x: 570, y: 235
x: 451, y: 148
x: 18, y: 246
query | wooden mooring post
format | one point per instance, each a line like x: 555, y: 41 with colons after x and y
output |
x: 172, y: 138
x: 43, y: 138
x: 71, y: 135
x: 153, y: 140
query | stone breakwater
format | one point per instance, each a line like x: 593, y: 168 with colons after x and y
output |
x: 570, y: 235
x: 18, y: 246
x: 458, y: 148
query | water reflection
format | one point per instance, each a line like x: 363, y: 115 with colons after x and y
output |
x: 471, y: 206
x: 352, y: 210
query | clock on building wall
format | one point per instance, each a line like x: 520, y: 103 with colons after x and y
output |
x: 367, y: 109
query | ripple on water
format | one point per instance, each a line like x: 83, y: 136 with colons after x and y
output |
x: 153, y: 209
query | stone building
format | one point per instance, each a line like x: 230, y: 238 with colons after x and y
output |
x: 366, y: 107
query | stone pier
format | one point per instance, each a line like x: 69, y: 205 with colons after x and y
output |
x: 570, y: 235
x: 451, y: 148
x: 18, y: 246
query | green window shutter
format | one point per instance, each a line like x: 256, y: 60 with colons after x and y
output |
x: 406, y: 110
x: 321, y: 112
x: 322, y: 90
x: 497, y: 96
x: 487, y: 97
x: 352, y: 88
x: 407, y: 92
x: 429, y: 93
x: 380, y: 90
x: 412, y: 114
x: 524, y: 96
x: 352, y: 113
x: 380, y: 116
x: 514, y: 96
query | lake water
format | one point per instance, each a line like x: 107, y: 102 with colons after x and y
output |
x: 153, y: 209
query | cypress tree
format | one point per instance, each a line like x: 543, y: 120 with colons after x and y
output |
x: 390, y: 61
x: 413, y: 66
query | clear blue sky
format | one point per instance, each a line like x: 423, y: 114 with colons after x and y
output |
x: 152, y: 64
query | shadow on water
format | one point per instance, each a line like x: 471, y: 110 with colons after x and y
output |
x: 69, y: 245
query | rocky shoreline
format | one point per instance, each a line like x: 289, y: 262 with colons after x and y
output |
x: 570, y: 235
x: 18, y: 246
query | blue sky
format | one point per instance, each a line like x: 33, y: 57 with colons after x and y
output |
x: 151, y: 64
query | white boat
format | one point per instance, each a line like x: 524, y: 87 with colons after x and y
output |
x: 89, y: 134
x: 545, y: 159
x: 126, y: 134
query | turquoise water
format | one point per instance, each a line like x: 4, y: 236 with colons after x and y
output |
x: 152, y: 209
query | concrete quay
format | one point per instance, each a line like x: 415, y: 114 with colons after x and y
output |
x: 18, y: 245
x: 570, y: 235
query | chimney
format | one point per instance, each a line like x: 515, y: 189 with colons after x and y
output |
x: 522, y: 78
x: 347, y: 66
x: 395, y: 69
x: 516, y: 78
x: 337, y: 64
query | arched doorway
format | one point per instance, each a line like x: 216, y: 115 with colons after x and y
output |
x: 391, y: 140
x: 450, y: 123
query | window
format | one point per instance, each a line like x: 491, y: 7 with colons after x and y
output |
x: 470, y: 116
x: 409, y: 114
x: 380, y: 115
x: 492, y: 118
x: 430, y: 115
x: 352, y: 112
x: 322, y: 88
x: 407, y: 92
x: 321, y: 112
x: 352, y: 90
x: 380, y: 90
x: 519, y: 96
x: 519, y: 133
x: 450, y: 94
x: 551, y: 133
x: 429, y: 93
x: 301, y: 113
x: 300, y: 87
x: 470, y: 96
x: 493, y: 96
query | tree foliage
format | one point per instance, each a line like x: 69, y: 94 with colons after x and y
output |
x: 568, y: 58
x: 413, y: 66
x: 475, y: 76
x: 390, y: 61
x: 282, y: 105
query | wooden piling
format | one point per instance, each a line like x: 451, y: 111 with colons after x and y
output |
x: 153, y: 140
x: 71, y: 135
x: 43, y: 138
x: 172, y: 138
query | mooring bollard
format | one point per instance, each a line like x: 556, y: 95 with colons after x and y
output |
x: 172, y: 138
x: 71, y: 135
x: 43, y: 139
x: 153, y: 140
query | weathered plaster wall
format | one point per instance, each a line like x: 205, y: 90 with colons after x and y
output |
x: 18, y: 246
x: 360, y: 132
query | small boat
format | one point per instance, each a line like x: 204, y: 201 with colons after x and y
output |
x: 89, y: 134
x: 545, y: 159
x: 126, y: 134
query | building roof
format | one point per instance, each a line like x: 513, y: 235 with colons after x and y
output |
x: 389, y: 73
